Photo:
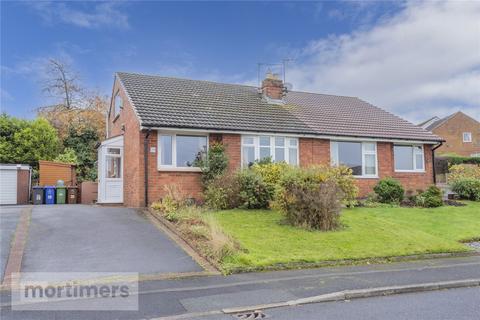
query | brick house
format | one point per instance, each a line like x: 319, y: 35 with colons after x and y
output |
x: 460, y: 132
x: 158, y: 125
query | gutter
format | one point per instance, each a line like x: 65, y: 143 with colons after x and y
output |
x: 292, y: 134
x: 433, y: 162
x: 145, y: 157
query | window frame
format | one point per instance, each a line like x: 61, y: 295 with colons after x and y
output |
x: 469, y: 134
x: 256, y: 145
x: 414, y: 153
x: 173, y: 166
x: 116, y: 113
x: 112, y: 155
x: 334, y: 156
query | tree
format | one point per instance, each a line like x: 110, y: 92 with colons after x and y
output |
x: 92, y: 115
x: 83, y: 143
x: 62, y: 83
x: 27, y: 142
x: 68, y: 156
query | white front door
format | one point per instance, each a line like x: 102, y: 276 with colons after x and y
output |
x: 111, y: 180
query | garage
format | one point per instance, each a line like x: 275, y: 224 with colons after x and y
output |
x: 14, y: 184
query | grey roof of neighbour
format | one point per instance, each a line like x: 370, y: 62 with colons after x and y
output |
x: 182, y: 103
x: 439, y: 122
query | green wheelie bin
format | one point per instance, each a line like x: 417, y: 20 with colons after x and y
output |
x: 61, y: 195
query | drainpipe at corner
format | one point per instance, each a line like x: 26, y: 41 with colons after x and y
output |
x: 145, y: 155
x: 433, y: 162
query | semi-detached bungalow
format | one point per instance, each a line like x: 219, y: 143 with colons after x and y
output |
x: 157, y: 126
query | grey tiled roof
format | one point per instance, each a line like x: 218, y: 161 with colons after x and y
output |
x: 183, y: 103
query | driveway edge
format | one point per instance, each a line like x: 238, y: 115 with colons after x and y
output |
x: 170, y: 231
x: 17, y: 248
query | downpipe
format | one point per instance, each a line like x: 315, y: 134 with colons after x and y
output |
x: 145, y: 158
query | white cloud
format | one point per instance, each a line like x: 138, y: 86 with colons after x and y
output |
x: 99, y: 14
x: 423, y: 61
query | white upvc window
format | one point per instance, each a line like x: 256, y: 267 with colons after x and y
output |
x: 180, y: 151
x: 361, y: 157
x: 409, y: 158
x: 467, y: 137
x: 118, y: 104
x: 277, y: 148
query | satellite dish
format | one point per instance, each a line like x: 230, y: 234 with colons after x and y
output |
x: 288, y: 86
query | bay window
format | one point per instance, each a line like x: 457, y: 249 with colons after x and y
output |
x: 408, y: 158
x: 277, y: 148
x: 181, y: 151
x: 361, y: 157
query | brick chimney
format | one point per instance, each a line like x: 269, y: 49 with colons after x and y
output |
x: 272, y: 86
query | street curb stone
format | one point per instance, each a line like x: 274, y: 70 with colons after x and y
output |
x: 362, y: 293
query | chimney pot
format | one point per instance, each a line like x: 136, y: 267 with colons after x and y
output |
x: 272, y: 86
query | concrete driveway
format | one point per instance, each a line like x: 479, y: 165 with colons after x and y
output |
x: 78, y: 238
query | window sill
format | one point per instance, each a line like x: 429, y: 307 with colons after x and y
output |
x: 410, y: 171
x: 366, y: 177
x: 179, y: 169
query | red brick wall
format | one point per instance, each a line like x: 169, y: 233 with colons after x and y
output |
x: 452, y: 131
x: 314, y: 152
x: 128, y: 125
x: 317, y: 151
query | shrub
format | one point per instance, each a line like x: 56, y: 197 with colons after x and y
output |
x: 223, y: 192
x: 345, y: 180
x: 467, y: 188
x: 389, y: 190
x: 431, y: 198
x: 214, y: 165
x: 271, y: 173
x: 254, y: 192
x: 311, y: 205
x: 173, y: 200
x: 460, y: 171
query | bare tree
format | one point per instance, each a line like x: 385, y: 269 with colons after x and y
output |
x: 62, y: 83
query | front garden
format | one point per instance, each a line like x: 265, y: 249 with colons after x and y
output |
x: 272, y: 216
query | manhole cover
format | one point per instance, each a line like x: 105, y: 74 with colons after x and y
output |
x: 251, y: 315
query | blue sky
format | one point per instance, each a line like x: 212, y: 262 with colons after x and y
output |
x: 412, y: 58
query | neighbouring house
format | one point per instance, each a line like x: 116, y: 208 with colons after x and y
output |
x: 158, y: 125
x: 460, y: 132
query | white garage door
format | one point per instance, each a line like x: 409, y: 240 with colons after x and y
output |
x: 8, y: 186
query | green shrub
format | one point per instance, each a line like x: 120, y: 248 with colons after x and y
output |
x: 389, y: 190
x: 309, y: 204
x: 457, y: 159
x: 215, y: 163
x: 223, y: 192
x: 345, y: 180
x: 431, y: 198
x: 467, y: 188
x: 254, y: 192
x: 171, y: 202
x: 460, y: 171
x: 271, y: 173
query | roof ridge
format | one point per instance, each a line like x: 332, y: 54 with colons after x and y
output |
x: 226, y: 83
x: 186, y: 79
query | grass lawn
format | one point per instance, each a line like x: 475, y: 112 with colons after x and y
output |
x: 367, y: 233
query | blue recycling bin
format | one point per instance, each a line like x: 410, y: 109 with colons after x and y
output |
x: 49, y: 194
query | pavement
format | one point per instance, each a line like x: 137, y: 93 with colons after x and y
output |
x: 193, y: 298
x: 453, y: 304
